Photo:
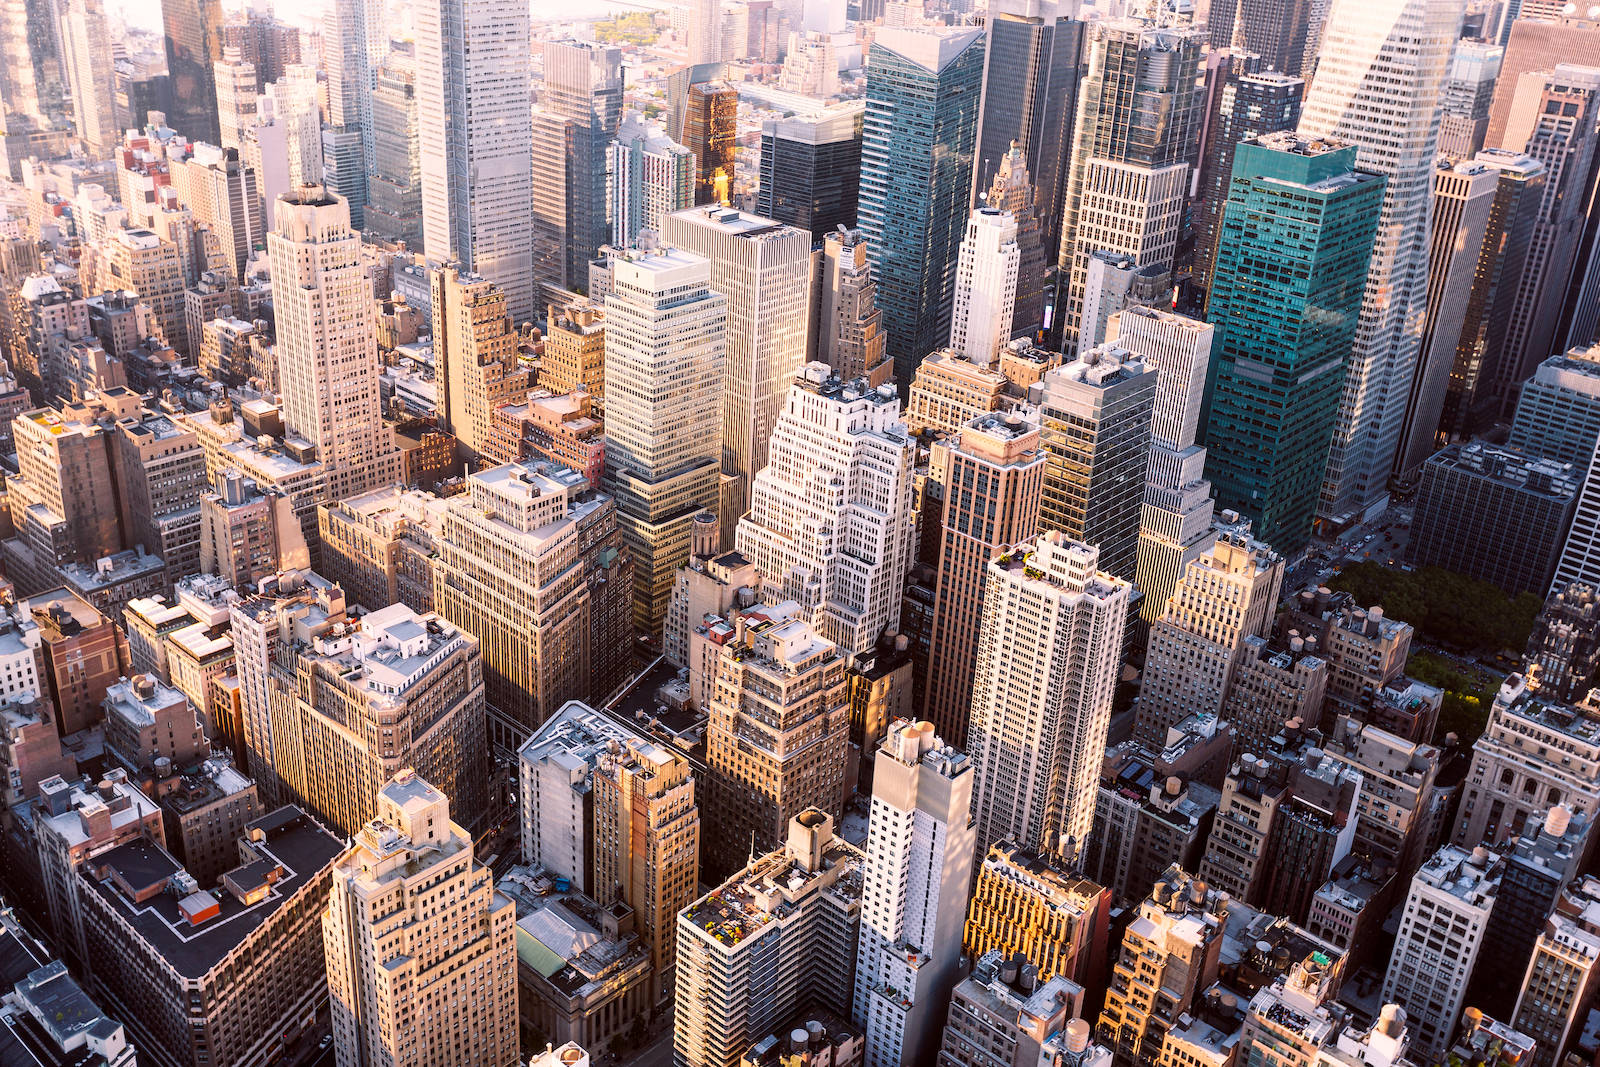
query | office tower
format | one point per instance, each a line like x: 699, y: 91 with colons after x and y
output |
x: 1558, y: 409
x: 223, y: 193
x: 1221, y: 598
x: 705, y: 31
x: 575, y: 349
x: 516, y: 557
x: 394, y: 184
x: 414, y: 860
x: 777, y: 936
x: 1446, y: 918
x: 477, y: 362
x: 1553, y: 121
x: 994, y: 471
x: 83, y: 654
x: 1250, y: 103
x: 1012, y: 192
x: 811, y: 170
x: 1024, y: 904
x: 153, y: 936
x: 63, y: 498
x: 238, y: 106
x: 326, y: 348
x: 1276, y: 383
x: 193, y: 36
x: 833, y: 433
x: 1378, y: 84
x: 1048, y: 612
x: 624, y: 826
x: 764, y: 270
x: 778, y: 679
x: 986, y: 286
x: 475, y: 146
x: 1400, y: 803
x: 1469, y: 90
x: 379, y: 547
x: 1028, y: 105
x: 710, y: 130
x: 141, y: 261
x: 849, y: 325
x: 1508, y: 784
x: 1169, y: 956
x: 663, y: 446
x: 1275, y: 30
x: 582, y: 88
x: 919, y: 865
x: 1175, y: 518
x: 355, y: 39
x: 1563, y: 973
x: 917, y: 149
x: 86, y: 57
x: 1139, y: 112
x: 650, y: 177
x: 160, y: 474
x: 1004, y: 1015
x: 1563, y: 655
x: 1095, y: 427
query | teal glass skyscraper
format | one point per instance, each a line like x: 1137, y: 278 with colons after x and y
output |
x: 1290, y: 272
x: 918, y: 140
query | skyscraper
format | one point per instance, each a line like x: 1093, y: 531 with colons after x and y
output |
x: 327, y: 350
x: 1029, y: 102
x: 849, y: 328
x: 811, y: 169
x: 193, y: 33
x: 86, y: 53
x: 993, y: 473
x: 650, y: 177
x: 663, y: 324
x: 409, y: 877
x: 475, y: 141
x: 1468, y: 92
x: 917, y: 150
x: 986, y: 286
x: 1139, y: 112
x: 1048, y: 659
x: 1285, y: 338
x: 476, y: 363
x: 1275, y: 30
x: 1094, y: 424
x: 1381, y: 70
x: 355, y: 39
x: 920, y: 847
x: 842, y: 556
x: 394, y: 184
x: 583, y: 88
x: 1012, y: 191
x: 764, y: 270
x: 710, y: 131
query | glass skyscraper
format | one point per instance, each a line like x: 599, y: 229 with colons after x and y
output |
x: 917, y: 148
x: 811, y: 170
x: 194, y: 42
x: 1291, y: 269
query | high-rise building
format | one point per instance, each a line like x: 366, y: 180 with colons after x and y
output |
x: 1139, y: 111
x: 1563, y: 656
x: 160, y: 473
x: 575, y: 349
x: 1032, y: 51
x: 994, y: 472
x: 1175, y: 518
x: 63, y: 498
x: 1004, y: 1015
x: 1095, y: 427
x: 1021, y: 903
x: 86, y: 55
x: 811, y: 170
x: 663, y: 445
x: 1012, y: 192
x: 710, y: 131
x: 1048, y: 612
x: 986, y: 286
x: 917, y: 872
x: 354, y: 40
x: 776, y: 937
x: 1542, y: 862
x: 1276, y: 383
x: 764, y: 270
x: 1443, y: 926
x: 1275, y: 30
x: 394, y: 184
x: 1273, y: 683
x: 193, y: 37
x: 777, y: 679
x: 451, y: 997
x: 650, y: 177
x: 1222, y: 597
x: 917, y: 149
x: 476, y: 362
x: 326, y: 346
x: 1563, y: 973
x: 475, y: 147
x: 1468, y: 92
x: 849, y: 327
x: 582, y: 89
x: 1295, y: 1022
x: 1380, y: 73
x: 832, y: 433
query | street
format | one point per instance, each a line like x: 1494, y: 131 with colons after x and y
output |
x: 657, y: 1053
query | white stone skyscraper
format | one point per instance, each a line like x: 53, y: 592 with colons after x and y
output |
x: 86, y: 55
x: 764, y: 269
x: 1175, y: 520
x: 920, y: 847
x: 354, y: 43
x: 476, y: 141
x: 830, y: 523
x: 650, y: 176
x: 986, y: 286
x: 1380, y: 76
x: 1048, y: 658
x: 327, y: 342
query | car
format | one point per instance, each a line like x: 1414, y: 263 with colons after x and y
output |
x: 325, y: 1042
